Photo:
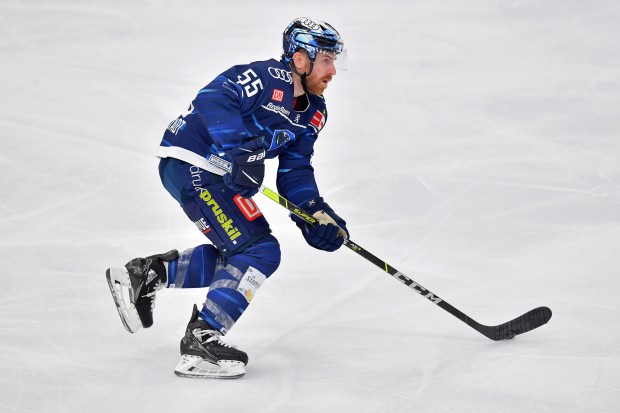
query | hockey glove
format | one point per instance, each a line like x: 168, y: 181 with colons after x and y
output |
x: 248, y: 168
x: 329, y: 233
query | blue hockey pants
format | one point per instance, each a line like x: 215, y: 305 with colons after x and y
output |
x: 242, y: 253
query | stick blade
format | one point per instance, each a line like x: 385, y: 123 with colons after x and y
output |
x: 527, y: 322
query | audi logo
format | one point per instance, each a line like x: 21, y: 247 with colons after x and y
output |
x: 309, y: 24
x: 281, y: 74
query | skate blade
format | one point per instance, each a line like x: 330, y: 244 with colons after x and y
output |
x: 118, y: 281
x: 197, y: 367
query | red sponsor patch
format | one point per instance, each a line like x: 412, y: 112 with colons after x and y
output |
x: 278, y: 95
x: 318, y: 120
x: 248, y: 207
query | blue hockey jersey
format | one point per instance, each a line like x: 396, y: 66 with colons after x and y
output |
x: 247, y: 101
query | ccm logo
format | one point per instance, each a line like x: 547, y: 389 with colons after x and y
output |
x: 248, y: 207
x: 278, y: 95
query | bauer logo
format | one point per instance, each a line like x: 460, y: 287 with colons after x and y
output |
x: 277, y: 95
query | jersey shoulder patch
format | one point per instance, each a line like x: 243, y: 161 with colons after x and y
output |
x: 319, y: 112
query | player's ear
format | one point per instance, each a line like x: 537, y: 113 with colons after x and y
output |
x: 301, y: 60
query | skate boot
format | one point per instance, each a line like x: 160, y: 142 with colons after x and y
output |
x: 133, y: 288
x: 204, y: 355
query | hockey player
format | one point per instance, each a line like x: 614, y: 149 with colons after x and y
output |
x: 212, y: 163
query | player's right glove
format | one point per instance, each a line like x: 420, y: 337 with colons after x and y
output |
x: 331, y: 231
x: 248, y: 168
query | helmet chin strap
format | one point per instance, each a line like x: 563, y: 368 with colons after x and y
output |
x: 302, y: 76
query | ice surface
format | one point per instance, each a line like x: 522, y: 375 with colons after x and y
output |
x: 474, y: 146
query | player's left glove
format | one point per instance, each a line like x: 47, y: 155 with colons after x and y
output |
x: 248, y: 168
x: 329, y: 233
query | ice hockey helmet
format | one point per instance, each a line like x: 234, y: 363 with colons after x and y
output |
x: 311, y: 35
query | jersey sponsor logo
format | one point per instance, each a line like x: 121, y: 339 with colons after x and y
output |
x: 281, y: 137
x: 219, y: 162
x: 278, y: 95
x: 202, y: 225
x: 310, y: 24
x: 318, y: 120
x: 176, y: 125
x: 248, y: 207
x: 196, y: 173
x: 225, y: 222
x: 281, y: 74
x: 251, y: 281
x: 276, y: 108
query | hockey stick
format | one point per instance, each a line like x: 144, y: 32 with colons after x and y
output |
x: 528, y: 321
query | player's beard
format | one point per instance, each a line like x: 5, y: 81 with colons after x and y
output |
x: 317, y: 86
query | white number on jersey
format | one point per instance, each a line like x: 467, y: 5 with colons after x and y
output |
x: 254, y: 85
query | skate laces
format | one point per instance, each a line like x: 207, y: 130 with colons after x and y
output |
x: 215, y: 337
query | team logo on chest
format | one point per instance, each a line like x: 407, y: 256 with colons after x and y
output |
x: 281, y: 137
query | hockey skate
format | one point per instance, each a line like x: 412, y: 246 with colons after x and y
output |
x: 204, y: 355
x: 133, y: 288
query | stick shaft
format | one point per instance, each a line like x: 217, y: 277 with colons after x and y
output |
x: 528, y: 321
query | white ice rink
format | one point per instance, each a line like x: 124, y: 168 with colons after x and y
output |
x: 475, y: 146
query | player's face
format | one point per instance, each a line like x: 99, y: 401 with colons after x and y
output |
x: 322, y: 73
